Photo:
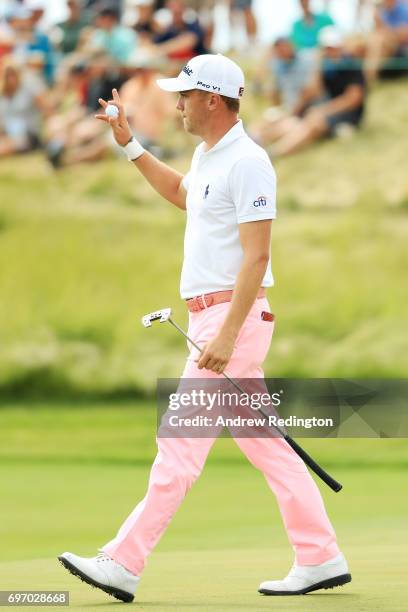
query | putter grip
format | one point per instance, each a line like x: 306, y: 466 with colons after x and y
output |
x: 333, y: 484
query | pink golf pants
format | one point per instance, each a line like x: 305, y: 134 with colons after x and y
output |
x: 179, y: 461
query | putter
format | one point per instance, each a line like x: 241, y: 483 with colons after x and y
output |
x: 164, y: 316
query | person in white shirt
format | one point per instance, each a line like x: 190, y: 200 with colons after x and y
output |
x: 229, y: 198
x: 23, y: 107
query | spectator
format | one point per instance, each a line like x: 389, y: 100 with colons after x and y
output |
x: 182, y: 39
x: 292, y: 73
x: 305, y: 31
x: 148, y: 108
x: 144, y: 25
x: 102, y: 76
x: 70, y: 30
x: 77, y: 84
x: 37, y: 10
x: 71, y: 134
x: 390, y: 38
x: 76, y: 137
x: 92, y: 7
x: 245, y: 8
x: 205, y: 13
x: 22, y: 106
x: 341, y: 80
x: 30, y: 40
x: 117, y: 41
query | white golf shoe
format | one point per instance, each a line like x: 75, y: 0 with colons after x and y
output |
x: 104, y: 573
x: 305, y: 578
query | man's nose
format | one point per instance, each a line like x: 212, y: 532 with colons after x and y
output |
x: 180, y: 104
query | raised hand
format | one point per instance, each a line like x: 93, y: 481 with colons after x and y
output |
x: 120, y: 126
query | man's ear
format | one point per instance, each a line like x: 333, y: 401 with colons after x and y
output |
x: 214, y: 101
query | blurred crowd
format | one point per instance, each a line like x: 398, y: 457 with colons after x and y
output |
x: 315, y: 78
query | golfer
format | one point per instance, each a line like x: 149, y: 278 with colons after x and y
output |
x: 229, y: 199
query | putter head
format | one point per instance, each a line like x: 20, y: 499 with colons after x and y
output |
x: 160, y: 315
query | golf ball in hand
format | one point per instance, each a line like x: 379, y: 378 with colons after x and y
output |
x: 112, y: 111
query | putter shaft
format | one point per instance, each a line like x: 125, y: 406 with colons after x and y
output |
x: 310, y: 462
x: 233, y: 382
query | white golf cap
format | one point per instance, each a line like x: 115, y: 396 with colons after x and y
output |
x: 214, y: 73
x: 330, y: 36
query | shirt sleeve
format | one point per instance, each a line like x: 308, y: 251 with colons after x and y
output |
x: 252, y: 184
x: 327, y: 20
x: 396, y: 17
x: 186, y: 181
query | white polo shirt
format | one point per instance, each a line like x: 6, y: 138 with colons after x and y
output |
x: 232, y: 183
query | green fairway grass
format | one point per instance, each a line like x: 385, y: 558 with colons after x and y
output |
x: 226, y: 580
x: 70, y: 476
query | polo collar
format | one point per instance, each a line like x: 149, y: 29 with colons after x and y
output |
x: 234, y: 133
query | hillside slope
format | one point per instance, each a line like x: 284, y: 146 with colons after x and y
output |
x: 86, y: 252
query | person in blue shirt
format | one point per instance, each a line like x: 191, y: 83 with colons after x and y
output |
x: 30, y: 40
x: 394, y: 13
x: 184, y: 38
x: 389, y: 39
x: 117, y: 41
x: 305, y: 31
x: 41, y: 43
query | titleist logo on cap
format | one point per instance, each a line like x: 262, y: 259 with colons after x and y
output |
x: 188, y: 70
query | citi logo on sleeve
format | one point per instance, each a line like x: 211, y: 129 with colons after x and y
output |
x: 261, y: 201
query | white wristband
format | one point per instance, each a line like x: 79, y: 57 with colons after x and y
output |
x: 133, y: 149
